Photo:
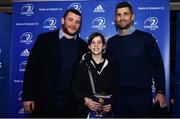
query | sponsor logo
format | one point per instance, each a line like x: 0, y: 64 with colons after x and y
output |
x: 99, y: 23
x: 99, y: 8
x: 27, y: 10
x: 50, y: 23
x: 50, y: 9
x: 151, y: 8
x: 22, y: 66
x: 27, y: 24
x: 76, y: 6
x: 21, y: 111
x: 18, y: 81
x: 25, y: 53
x: 20, y: 96
x: 151, y: 23
x: 26, y: 38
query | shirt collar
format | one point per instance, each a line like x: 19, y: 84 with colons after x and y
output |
x: 61, y: 34
x: 130, y: 31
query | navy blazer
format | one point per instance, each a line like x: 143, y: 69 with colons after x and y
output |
x: 42, y: 71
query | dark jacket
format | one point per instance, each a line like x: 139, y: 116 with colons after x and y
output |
x: 42, y: 72
x: 104, y: 82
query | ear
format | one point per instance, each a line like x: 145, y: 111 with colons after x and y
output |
x: 133, y: 17
x: 104, y: 49
x: 89, y: 47
x: 104, y: 46
x: 62, y: 20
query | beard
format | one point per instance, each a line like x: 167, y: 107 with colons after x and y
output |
x: 65, y: 29
x: 123, y: 24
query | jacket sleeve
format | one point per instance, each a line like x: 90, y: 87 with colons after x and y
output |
x: 31, y: 72
x: 77, y: 91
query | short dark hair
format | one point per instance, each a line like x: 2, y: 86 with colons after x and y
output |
x: 124, y: 4
x: 95, y: 34
x: 73, y: 11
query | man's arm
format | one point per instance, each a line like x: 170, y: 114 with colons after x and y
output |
x: 29, y: 81
x: 157, y: 70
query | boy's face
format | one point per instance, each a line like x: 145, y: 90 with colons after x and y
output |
x: 96, y: 46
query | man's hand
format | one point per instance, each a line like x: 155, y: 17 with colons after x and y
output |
x: 94, y: 106
x: 28, y: 106
x: 172, y: 101
x: 161, y: 99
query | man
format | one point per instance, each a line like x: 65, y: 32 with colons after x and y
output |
x: 50, y: 69
x: 138, y: 60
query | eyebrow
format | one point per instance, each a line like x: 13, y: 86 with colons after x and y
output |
x: 124, y: 13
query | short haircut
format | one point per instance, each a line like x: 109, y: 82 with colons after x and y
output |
x: 73, y: 11
x: 96, y: 34
x: 122, y: 5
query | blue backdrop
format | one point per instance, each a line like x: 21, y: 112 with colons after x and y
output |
x: 5, y: 37
x: 32, y: 18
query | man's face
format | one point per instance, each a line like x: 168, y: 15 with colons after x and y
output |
x: 124, y: 18
x: 71, y: 24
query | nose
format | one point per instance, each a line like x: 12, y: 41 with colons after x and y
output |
x: 95, y: 44
x: 73, y: 23
x: 122, y: 17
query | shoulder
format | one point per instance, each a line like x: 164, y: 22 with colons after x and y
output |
x: 81, y: 41
x: 108, y: 58
x: 83, y: 45
x: 85, y: 58
x: 113, y: 38
x: 143, y: 33
x: 82, y: 64
x: 46, y: 40
x: 145, y: 37
x: 49, y: 34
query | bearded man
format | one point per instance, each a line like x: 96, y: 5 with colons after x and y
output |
x: 138, y: 61
x: 50, y: 69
